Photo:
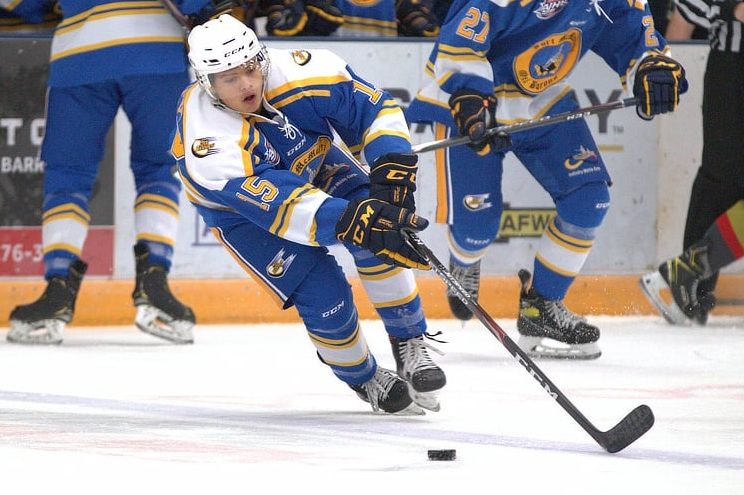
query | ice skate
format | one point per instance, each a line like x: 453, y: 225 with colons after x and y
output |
x: 159, y: 313
x: 548, y: 329
x: 469, y: 278
x: 415, y: 366
x: 387, y: 393
x: 43, y: 321
x: 673, y: 288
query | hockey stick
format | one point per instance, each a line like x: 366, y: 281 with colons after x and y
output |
x: 529, y: 124
x: 627, y: 431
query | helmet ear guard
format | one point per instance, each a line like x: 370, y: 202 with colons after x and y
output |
x: 222, y: 44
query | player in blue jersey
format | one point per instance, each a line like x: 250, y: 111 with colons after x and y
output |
x: 107, y: 55
x: 500, y: 62
x: 257, y: 155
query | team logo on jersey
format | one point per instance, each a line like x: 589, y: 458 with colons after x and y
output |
x: 548, y: 8
x: 578, y: 159
x: 548, y: 61
x: 301, y: 57
x: 319, y: 150
x: 328, y: 172
x: 279, y: 265
x: 476, y: 202
x: 270, y: 154
x: 203, y: 147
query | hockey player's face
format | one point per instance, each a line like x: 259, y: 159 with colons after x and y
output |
x: 241, y: 88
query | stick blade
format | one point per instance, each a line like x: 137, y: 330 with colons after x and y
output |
x: 630, y: 429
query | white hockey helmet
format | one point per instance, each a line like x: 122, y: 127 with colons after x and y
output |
x: 222, y: 44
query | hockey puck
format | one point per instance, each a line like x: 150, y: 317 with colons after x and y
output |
x: 442, y: 455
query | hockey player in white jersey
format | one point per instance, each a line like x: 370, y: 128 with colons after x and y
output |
x: 256, y: 154
x: 499, y: 62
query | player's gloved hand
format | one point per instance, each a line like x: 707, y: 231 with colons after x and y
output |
x: 285, y: 17
x: 243, y: 10
x: 393, y: 179
x: 415, y: 18
x: 658, y: 83
x: 378, y: 226
x: 323, y: 18
x: 473, y: 113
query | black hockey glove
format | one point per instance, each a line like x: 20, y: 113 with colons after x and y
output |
x: 323, y: 18
x: 378, y: 226
x: 415, y: 18
x: 285, y: 17
x: 473, y: 113
x: 393, y: 179
x: 658, y: 83
x: 243, y: 10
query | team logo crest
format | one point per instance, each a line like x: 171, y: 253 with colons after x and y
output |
x: 301, y: 57
x: 578, y: 159
x: 547, y: 62
x: 279, y: 265
x: 549, y: 8
x: 476, y: 202
x: 203, y: 147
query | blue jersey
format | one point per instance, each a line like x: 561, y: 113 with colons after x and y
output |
x: 100, y: 40
x: 523, y: 51
x: 267, y: 170
x: 367, y: 18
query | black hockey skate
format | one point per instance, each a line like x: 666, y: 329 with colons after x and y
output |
x: 681, y: 277
x: 548, y: 329
x: 43, y: 321
x: 469, y: 278
x: 387, y: 393
x: 415, y: 366
x: 159, y: 313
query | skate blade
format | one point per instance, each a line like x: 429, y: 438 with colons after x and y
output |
x: 152, y: 321
x: 654, y: 287
x: 426, y: 400
x: 544, y: 347
x: 42, y: 332
x: 412, y: 409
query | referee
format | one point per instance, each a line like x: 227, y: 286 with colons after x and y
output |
x: 720, y: 179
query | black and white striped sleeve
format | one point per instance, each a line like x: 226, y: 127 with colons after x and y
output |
x: 696, y: 12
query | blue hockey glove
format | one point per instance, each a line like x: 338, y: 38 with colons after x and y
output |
x: 378, y: 226
x: 393, y: 179
x: 285, y: 17
x: 323, y: 18
x: 658, y: 83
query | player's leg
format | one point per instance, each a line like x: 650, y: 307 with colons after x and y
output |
x: 721, y: 245
x: 78, y: 119
x: 292, y: 274
x: 468, y: 200
x: 392, y: 291
x: 150, y: 102
x: 566, y: 162
x: 719, y: 182
x: 332, y: 324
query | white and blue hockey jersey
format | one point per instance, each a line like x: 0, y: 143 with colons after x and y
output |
x: 264, y: 169
x: 523, y: 51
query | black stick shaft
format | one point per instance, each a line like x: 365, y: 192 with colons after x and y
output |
x: 529, y: 124
x: 623, y: 434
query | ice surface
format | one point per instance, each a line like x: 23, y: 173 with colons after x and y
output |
x: 251, y: 409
